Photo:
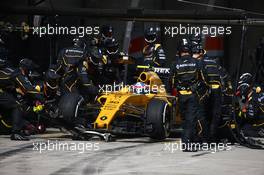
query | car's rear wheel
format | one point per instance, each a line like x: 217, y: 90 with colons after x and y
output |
x: 158, y: 115
x: 69, y: 106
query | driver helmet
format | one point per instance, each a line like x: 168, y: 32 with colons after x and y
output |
x: 140, y: 88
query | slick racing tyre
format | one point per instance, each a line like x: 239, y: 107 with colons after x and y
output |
x: 158, y: 115
x: 69, y: 106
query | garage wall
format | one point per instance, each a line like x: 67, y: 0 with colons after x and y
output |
x: 252, y: 37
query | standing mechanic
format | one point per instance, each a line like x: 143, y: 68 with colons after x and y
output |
x: 73, y: 64
x: 198, y: 53
x: 227, y: 95
x: 106, y: 34
x: 13, y: 81
x: 186, y: 75
x: 73, y: 67
x: 212, y: 104
x: 153, y: 54
x: 114, y: 67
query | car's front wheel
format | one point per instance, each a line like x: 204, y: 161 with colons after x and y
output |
x: 158, y: 115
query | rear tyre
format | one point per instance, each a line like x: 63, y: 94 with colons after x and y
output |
x: 69, y: 106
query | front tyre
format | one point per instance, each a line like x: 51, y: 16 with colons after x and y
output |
x: 158, y: 115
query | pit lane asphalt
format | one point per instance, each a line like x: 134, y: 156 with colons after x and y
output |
x: 124, y: 156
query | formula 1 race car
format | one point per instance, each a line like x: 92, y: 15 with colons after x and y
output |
x: 141, y: 109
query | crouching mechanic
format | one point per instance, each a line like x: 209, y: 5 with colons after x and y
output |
x: 186, y: 76
x: 50, y: 89
x: 73, y: 68
x: 13, y: 81
x: 251, y: 101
